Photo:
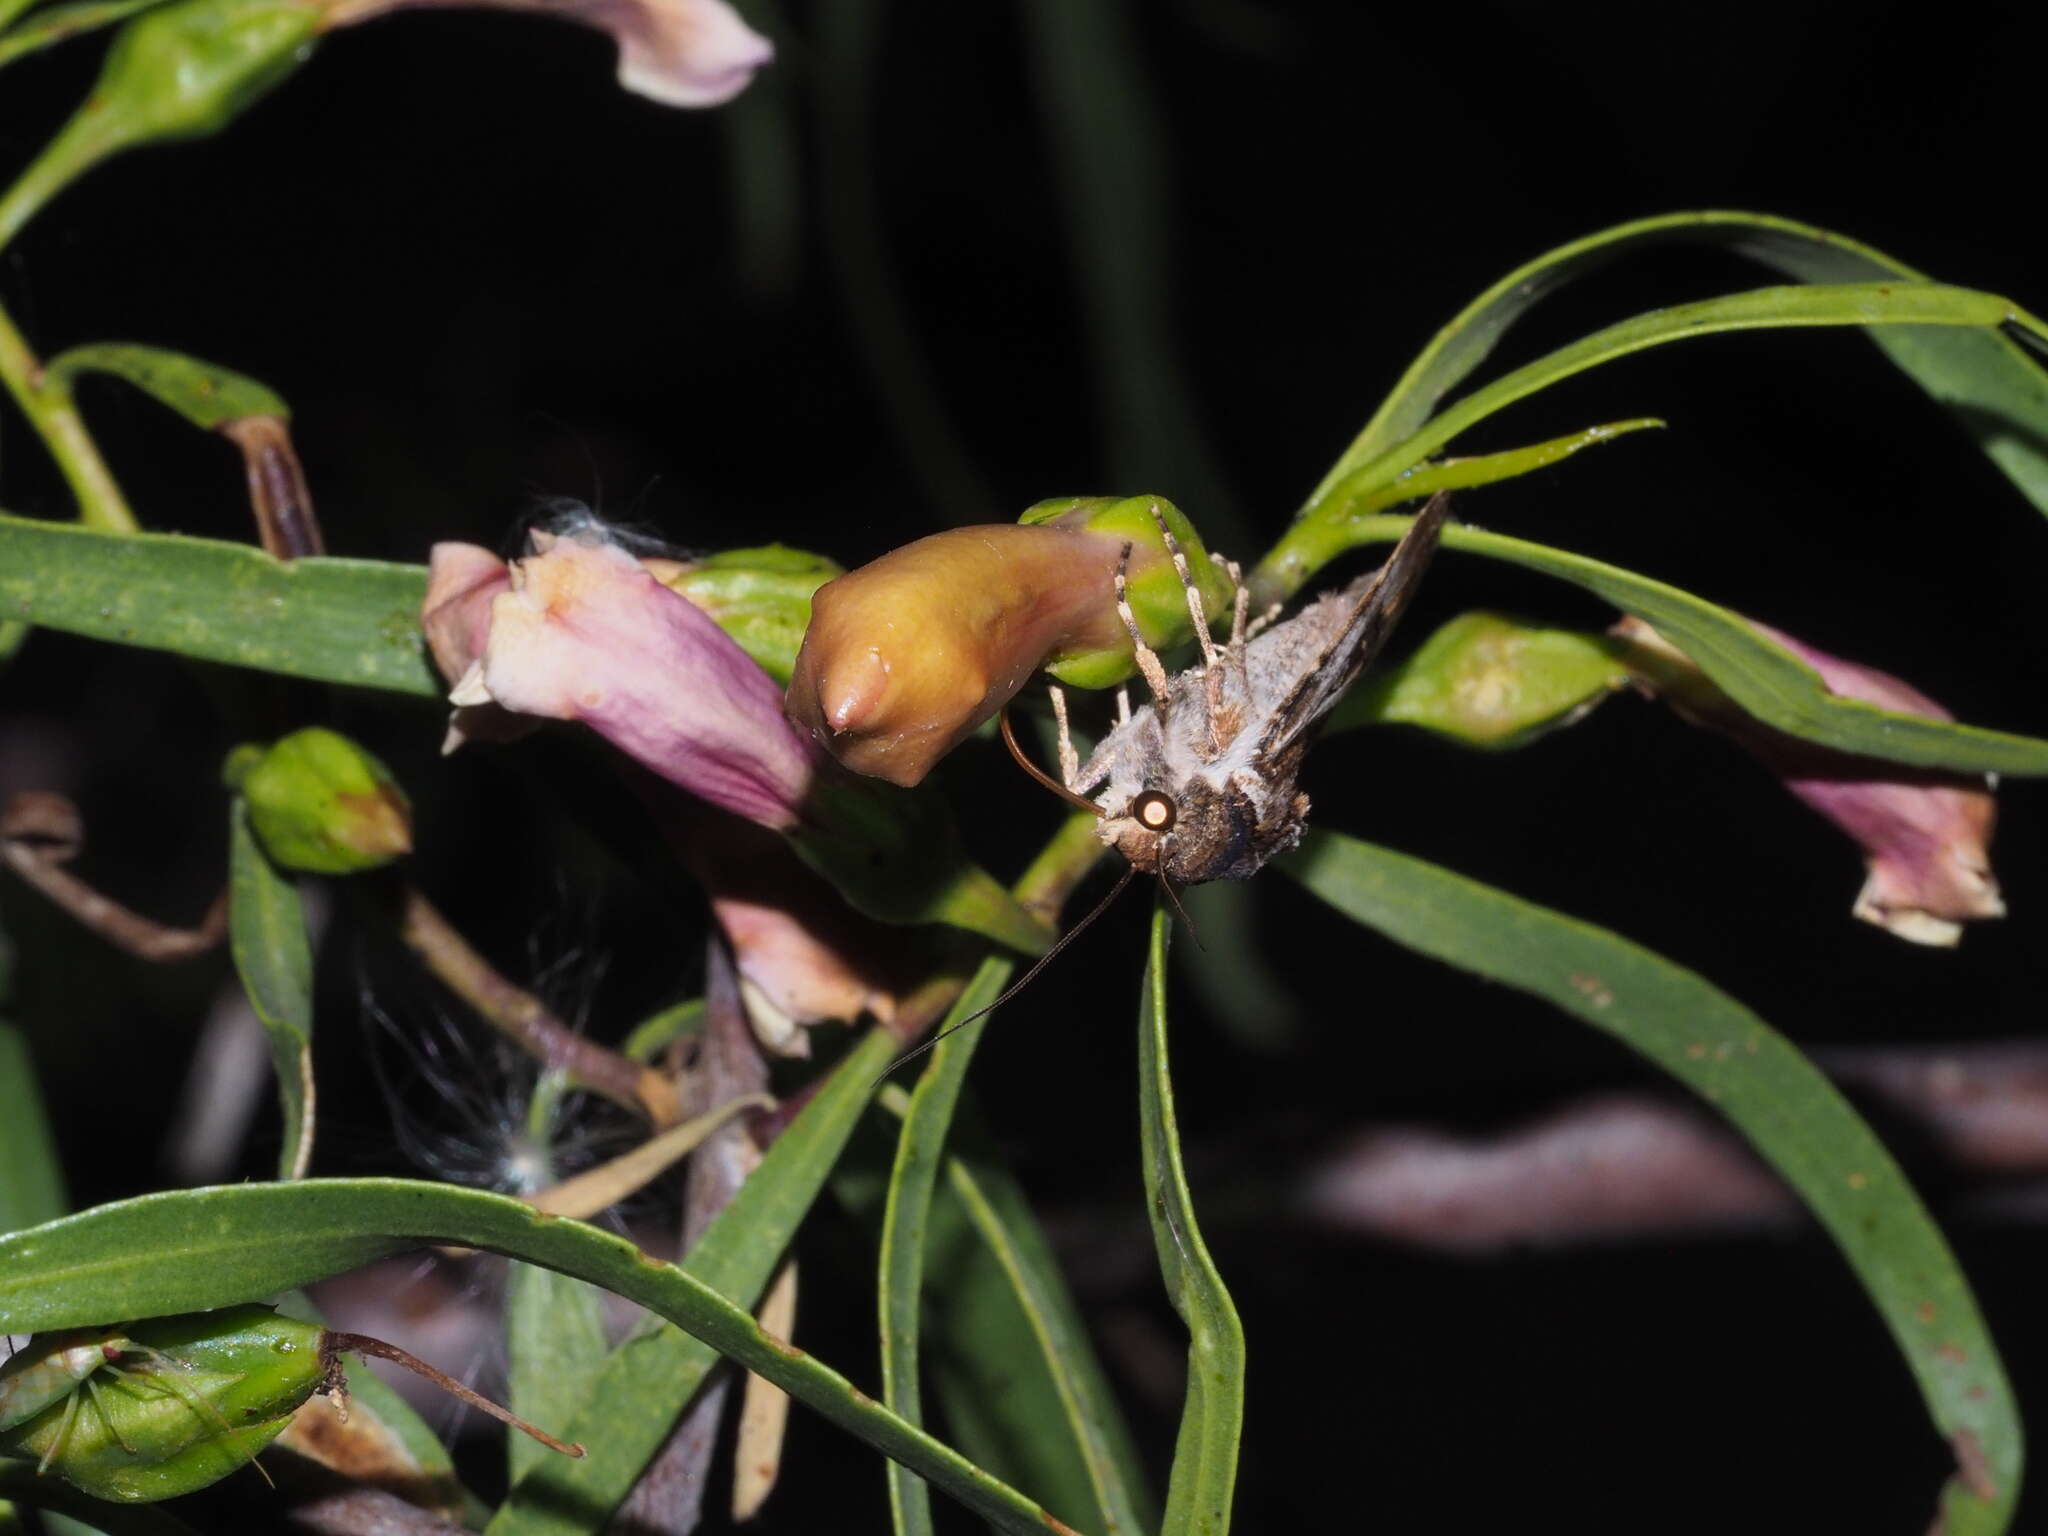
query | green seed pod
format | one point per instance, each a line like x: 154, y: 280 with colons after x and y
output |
x: 177, y: 1403
x: 143, y: 1411
x: 761, y: 597
x: 1158, y: 601
x: 321, y: 804
x: 1491, y: 682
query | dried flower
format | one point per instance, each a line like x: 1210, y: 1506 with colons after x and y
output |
x: 1925, y: 836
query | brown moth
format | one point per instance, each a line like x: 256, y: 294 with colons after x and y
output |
x: 1201, y: 785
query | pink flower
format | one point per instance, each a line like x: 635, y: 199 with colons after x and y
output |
x: 580, y: 630
x: 682, y: 53
x: 1925, y: 837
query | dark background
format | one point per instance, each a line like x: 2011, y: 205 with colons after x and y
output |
x: 874, y: 299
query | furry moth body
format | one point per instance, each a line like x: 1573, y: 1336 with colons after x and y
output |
x: 1201, y: 785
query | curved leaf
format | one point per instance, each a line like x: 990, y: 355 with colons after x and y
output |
x: 205, y: 394
x: 1091, y: 1451
x: 646, y: 1381
x: 906, y: 1214
x: 1762, y: 676
x: 1198, y: 1494
x: 1868, y: 304
x: 1997, y: 392
x: 1783, y: 1106
x: 354, y: 622
x: 191, y: 1249
x: 267, y: 936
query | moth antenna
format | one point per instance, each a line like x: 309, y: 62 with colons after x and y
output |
x: 1038, y: 773
x: 1143, y: 654
x: 1021, y: 982
x: 363, y: 1344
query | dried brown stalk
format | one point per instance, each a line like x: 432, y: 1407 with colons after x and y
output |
x: 40, y: 832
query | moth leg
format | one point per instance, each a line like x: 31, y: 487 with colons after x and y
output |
x: 1070, y: 760
x: 1147, y: 658
x: 1123, y: 706
x: 1187, y: 585
x: 62, y: 1438
x: 1263, y: 620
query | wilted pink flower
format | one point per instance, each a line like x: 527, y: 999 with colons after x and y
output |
x: 582, y: 631
x: 1926, y: 837
x: 682, y: 53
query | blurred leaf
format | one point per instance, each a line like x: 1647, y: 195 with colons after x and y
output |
x: 899, y: 1285
x: 656, y: 1033
x: 19, y: 1483
x: 205, y: 394
x: 354, y: 622
x: 1485, y: 680
x: 59, y: 23
x: 554, y: 1348
x: 1996, y: 390
x: 1014, y: 1362
x: 1762, y: 676
x: 646, y: 1381
x: 1782, y: 1105
x: 1199, y: 1491
x: 31, y: 1179
x: 1098, y: 109
x: 192, y: 1249
x: 267, y: 934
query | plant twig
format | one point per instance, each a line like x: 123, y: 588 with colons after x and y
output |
x: 50, y: 411
x: 278, y: 493
x: 40, y: 832
x: 527, y: 1021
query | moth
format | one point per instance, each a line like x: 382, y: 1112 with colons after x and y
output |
x: 1201, y: 785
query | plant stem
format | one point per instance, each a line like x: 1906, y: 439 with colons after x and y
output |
x: 523, y: 1018
x: 50, y: 411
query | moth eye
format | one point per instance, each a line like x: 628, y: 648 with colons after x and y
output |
x: 1154, y: 811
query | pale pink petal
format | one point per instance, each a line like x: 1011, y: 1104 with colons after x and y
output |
x: 1926, y: 838
x: 682, y: 53
x: 462, y: 581
x: 585, y: 633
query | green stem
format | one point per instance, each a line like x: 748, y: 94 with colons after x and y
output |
x: 50, y: 411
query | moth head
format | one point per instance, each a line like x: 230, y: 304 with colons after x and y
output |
x: 1142, y: 829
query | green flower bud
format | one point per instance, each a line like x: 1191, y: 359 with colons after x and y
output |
x: 761, y: 597
x: 321, y: 804
x: 1488, y: 681
x: 179, y: 71
x: 1158, y: 601
x: 183, y: 1401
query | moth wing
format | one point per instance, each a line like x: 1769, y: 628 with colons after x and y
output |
x: 1365, y: 630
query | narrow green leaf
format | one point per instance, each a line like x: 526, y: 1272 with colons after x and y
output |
x: 1868, y: 304
x: 647, y: 1380
x: 1198, y: 1494
x: 656, y: 1033
x: 899, y: 1284
x: 1783, y: 1106
x: 31, y: 1179
x: 554, y: 1348
x: 205, y: 394
x: 1997, y: 391
x: 1068, y: 1439
x: 336, y: 621
x: 60, y: 23
x: 1762, y: 676
x: 192, y: 1249
x: 267, y: 934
